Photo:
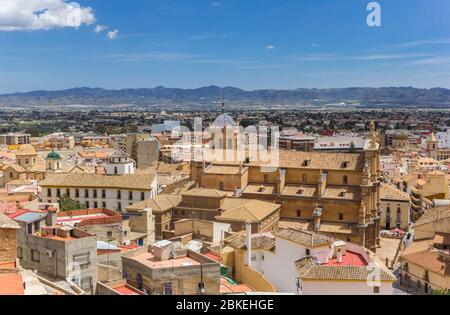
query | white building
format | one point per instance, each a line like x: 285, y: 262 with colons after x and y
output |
x: 119, y: 163
x: 279, y: 266
x: 443, y: 139
x: 100, y: 191
x: 303, y: 262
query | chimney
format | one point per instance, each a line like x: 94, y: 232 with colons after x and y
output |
x: 51, y: 218
x: 248, y: 242
x: 339, y: 256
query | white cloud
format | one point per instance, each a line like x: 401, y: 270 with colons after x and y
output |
x: 100, y: 28
x: 30, y: 15
x: 426, y: 42
x: 112, y: 34
x: 270, y: 47
x: 149, y: 56
x: 314, y: 45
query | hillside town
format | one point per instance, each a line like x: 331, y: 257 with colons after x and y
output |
x: 356, y: 203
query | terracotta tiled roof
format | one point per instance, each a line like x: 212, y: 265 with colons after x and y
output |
x: 26, y: 149
x: 306, y: 238
x: 259, y: 189
x: 318, y: 160
x: 246, y: 210
x: 325, y: 227
x: 224, y: 170
x: 423, y: 254
x: 159, y: 203
x: 390, y: 192
x: 237, y: 241
x: 17, y: 168
x: 131, y: 181
x: 308, y: 270
x: 307, y: 191
x: 204, y: 192
x: 433, y: 214
x: 345, y: 193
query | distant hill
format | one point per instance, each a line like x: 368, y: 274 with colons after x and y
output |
x: 402, y: 96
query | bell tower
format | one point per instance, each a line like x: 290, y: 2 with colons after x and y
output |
x: 432, y: 146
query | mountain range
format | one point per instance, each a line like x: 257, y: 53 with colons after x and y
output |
x: 395, y: 96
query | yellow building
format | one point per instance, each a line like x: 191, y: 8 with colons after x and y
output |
x: 333, y: 193
x: 425, y: 264
x: 210, y: 205
x: 395, y: 206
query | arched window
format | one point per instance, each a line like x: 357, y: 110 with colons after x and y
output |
x: 221, y: 186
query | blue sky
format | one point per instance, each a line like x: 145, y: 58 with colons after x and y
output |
x: 250, y: 44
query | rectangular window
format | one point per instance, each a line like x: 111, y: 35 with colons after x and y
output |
x: 341, y: 217
x: 86, y: 283
x: 77, y: 193
x: 376, y: 290
x: 19, y: 252
x: 119, y: 194
x: 49, y: 192
x: 95, y: 193
x: 68, y: 192
x: 95, y: 204
x: 299, y: 213
x: 86, y: 193
x: 81, y: 259
x: 58, y: 193
x: 35, y: 255
x: 142, y: 196
x: 88, y: 205
x: 103, y: 194
x: 104, y: 205
x: 130, y: 195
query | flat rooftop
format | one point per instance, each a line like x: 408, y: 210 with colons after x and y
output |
x: 149, y: 260
x: 77, y: 219
x: 11, y: 284
x: 349, y: 259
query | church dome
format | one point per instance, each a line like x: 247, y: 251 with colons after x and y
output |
x: 53, y: 156
x: 223, y: 121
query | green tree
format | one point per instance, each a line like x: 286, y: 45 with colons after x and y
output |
x: 68, y: 204
x: 441, y: 292
x: 33, y: 131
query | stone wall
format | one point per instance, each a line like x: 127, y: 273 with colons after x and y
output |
x: 8, y: 251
